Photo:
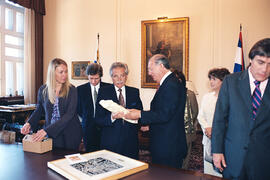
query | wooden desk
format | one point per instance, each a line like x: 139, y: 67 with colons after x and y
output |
x: 17, y: 164
x: 16, y: 113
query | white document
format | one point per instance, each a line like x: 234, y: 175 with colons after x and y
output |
x: 75, y: 158
x: 115, y: 108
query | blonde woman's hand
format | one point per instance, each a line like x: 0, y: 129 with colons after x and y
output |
x: 26, y: 128
x: 39, y: 136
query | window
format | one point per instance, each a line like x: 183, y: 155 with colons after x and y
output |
x: 11, y: 48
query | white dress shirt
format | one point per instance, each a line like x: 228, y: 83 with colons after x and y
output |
x: 252, y: 85
x: 117, y: 94
x: 92, y: 93
x: 123, y: 92
x: 207, y: 110
x: 164, y: 77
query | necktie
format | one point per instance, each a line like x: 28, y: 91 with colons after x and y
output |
x: 95, y: 95
x: 121, y: 98
x: 256, y: 99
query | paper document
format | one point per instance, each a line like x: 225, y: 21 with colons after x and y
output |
x: 115, y: 108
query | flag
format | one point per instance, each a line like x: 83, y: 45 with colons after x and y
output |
x: 239, y: 64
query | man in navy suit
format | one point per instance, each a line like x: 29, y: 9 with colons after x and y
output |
x: 166, y: 116
x: 117, y: 134
x: 87, y: 94
x: 241, y: 129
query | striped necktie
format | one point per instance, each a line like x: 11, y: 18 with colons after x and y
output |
x: 256, y: 99
x: 121, y: 98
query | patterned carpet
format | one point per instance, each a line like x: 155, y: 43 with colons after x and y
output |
x: 196, y: 157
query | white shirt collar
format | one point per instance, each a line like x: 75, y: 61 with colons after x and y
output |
x: 93, y: 87
x: 92, y: 93
x: 123, y: 92
x: 123, y: 88
x: 164, y: 77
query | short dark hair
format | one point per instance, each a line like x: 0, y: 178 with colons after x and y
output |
x: 260, y: 48
x: 180, y: 75
x: 219, y: 73
x: 93, y: 69
x: 161, y: 59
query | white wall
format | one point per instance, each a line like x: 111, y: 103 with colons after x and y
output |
x: 71, y: 27
x: 70, y: 32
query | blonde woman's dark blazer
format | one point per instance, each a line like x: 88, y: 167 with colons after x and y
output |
x: 66, y: 132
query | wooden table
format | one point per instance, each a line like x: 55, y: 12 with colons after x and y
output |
x: 17, y: 164
x: 16, y: 113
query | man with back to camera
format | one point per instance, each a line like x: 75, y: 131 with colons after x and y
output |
x: 87, y: 95
x: 241, y: 126
x: 117, y: 134
x: 166, y: 116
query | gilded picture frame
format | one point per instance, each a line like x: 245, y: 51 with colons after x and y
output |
x: 79, y: 69
x: 164, y: 36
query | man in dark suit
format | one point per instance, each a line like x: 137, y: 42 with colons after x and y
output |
x: 241, y: 126
x: 166, y: 116
x: 87, y: 94
x: 117, y: 134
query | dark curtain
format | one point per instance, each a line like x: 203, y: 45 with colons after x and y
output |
x: 39, y: 7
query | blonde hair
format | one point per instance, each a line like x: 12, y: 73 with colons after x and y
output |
x: 51, y: 81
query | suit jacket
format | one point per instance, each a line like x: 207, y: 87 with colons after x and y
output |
x: 235, y: 134
x: 120, y: 136
x: 166, y: 119
x: 85, y: 108
x: 66, y: 132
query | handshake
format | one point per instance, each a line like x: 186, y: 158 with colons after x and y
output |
x: 129, y: 115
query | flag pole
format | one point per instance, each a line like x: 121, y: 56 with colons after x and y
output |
x: 242, y: 51
x: 98, y: 48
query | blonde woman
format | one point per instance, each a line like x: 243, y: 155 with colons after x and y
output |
x: 57, y: 101
x: 206, y: 115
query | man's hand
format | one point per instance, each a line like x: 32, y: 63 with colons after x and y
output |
x: 219, y: 161
x: 118, y: 115
x: 26, y: 128
x: 208, y: 132
x: 39, y: 135
x: 134, y: 114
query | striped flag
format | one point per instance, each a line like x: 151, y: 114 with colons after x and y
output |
x: 239, y: 64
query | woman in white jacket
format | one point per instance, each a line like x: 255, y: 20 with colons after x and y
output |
x: 206, y: 114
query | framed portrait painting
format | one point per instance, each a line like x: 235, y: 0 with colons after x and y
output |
x: 79, y: 69
x: 169, y: 37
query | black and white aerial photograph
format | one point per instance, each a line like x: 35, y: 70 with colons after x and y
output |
x: 96, y: 166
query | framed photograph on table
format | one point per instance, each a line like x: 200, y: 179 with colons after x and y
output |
x: 97, y: 165
x: 79, y: 69
x: 164, y: 36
